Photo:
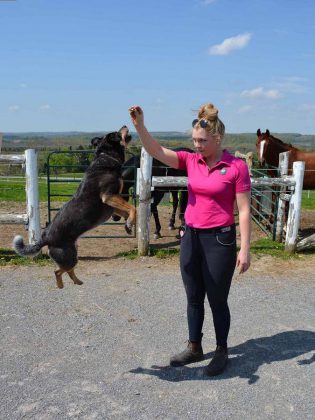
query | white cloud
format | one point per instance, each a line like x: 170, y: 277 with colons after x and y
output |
x: 230, y: 44
x: 292, y: 84
x: 44, y: 107
x: 244, y: 109
x: 260, y: 92
x: 14, y: 108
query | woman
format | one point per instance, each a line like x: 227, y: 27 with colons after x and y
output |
x: 216, y: 179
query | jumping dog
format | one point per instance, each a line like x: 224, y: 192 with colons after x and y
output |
x: 95, y: 201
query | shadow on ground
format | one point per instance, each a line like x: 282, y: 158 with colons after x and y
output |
x: 246, y: 358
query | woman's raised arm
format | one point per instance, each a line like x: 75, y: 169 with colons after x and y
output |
x: 164, y: 155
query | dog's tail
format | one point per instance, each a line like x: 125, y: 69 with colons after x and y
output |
x: 27, y: 250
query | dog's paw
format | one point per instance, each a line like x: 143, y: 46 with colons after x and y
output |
x: 79, y: 282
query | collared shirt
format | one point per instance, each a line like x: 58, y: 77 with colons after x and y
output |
x: 212, y: 192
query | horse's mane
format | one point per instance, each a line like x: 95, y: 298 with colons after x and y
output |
x: 288, y: 146
x: 280, y: 142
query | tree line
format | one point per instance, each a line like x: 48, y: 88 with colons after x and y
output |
x: 78, y: 153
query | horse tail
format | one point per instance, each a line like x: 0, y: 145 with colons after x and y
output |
x: 27, y: 250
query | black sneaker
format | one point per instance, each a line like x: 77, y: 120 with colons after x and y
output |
x: 188, y: 356
x: 218, y: 362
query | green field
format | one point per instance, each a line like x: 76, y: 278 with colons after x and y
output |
x: 13, y: 189
x: 308, y: 200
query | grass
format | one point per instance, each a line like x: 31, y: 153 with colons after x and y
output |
x: 14, y: 190
x: 130, y: 255
x: 266, y: 246
x: 159, y: 253
x: 308, y: 200
x: 165, y: 252
x: 9, y: 257
x: 259, y: 248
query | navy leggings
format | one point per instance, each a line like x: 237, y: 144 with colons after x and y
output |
x: 207, y: 263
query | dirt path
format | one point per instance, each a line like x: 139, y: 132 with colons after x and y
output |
x: 101, y: 350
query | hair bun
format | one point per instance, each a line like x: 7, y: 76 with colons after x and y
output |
x: 208, y: 112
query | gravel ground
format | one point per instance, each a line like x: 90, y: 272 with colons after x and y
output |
x: 101, y: 350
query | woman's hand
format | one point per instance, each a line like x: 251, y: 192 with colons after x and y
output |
x: 137, y: 116
x: 243, y: 261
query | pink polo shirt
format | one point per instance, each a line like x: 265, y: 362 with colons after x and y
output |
x: 212, y: 192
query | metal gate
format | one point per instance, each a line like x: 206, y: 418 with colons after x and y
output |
x: 65, y: 171
x: 265, y: 202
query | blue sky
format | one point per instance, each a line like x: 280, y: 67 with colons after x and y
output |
x: 78, y: 65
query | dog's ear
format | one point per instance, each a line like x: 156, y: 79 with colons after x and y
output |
x: 95, y: 141
x: 258, y: 132
x: 114, y: 137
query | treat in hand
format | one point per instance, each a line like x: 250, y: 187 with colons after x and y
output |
x: 135, y: 109
x: 136, y: 114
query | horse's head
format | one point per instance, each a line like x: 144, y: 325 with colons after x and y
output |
x: 269, y: 147
x: 262, y: 142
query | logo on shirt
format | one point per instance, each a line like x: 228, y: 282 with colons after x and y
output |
x: 223, y: 171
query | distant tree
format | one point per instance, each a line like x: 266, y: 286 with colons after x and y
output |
x: 83, y: 159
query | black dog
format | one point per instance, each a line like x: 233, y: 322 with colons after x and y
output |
x: 96, y: 200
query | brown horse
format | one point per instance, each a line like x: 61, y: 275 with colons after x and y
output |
x: 269, y: 148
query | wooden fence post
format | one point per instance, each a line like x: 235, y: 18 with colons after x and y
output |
x: 294, y: 216
x: 32, y: 195
x: 283, y: 168
x: 144, y: 212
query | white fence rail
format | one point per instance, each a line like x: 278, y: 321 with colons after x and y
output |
x: 295, y: 182
x: 32, y: 216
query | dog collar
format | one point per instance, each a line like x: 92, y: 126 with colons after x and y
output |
x: 111, y: 157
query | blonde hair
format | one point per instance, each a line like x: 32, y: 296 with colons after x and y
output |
x: 210, y: 113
